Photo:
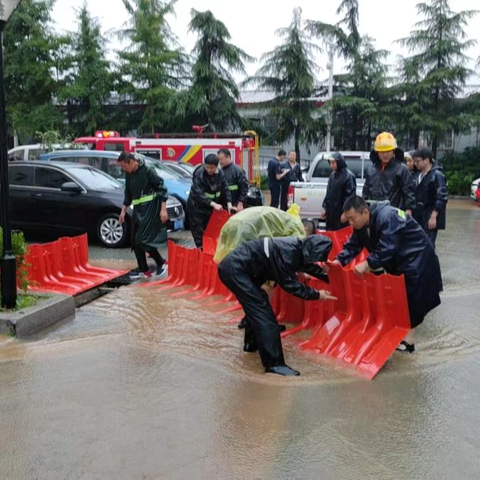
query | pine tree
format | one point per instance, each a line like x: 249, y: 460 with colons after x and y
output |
x: 90, y: 80
x: 30, y: 85
x: 214, y: 92
x: 438, y: 46
x: 153, y: 66
x: 359, y: 95
x: 289, y: 72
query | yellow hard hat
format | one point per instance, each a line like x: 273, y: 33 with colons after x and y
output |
x: 385, y: 142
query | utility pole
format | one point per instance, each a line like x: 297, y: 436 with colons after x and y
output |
x: 7, y: 261
x: 328, y: 139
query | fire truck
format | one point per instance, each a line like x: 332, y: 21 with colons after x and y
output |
x: 184, y: 147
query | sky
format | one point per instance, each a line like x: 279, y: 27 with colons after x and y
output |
x: 252, y: 24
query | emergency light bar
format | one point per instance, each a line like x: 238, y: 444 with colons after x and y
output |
x: 106, y: 134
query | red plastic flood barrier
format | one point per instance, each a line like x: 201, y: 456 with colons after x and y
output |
x: 370, y: 320
x: 287, y: 308
x: 316, y: 313
x: 212, y: 232
x: 63, y: 267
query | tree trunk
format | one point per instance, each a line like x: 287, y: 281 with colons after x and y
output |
x: 434, y: 146
x: 297, y: 144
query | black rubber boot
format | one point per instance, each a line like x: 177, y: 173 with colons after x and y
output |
x: 243, y: 324
x: 250, y: 348
x: 284, y: 370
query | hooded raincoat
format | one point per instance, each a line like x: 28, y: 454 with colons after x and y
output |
x: 398, y: 244
x: 432, y: 195
x: 341, y: 186
x: 237, y: 184
x: 254, y: 263
x: 205, y: 190
x: 255, y: 223
x: 393, y: 182
x: 145, y: 191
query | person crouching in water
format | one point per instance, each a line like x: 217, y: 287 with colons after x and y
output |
x: 399, y: 245
x: 251, y: 265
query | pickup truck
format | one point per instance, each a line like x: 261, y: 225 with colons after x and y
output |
x: 309, y: 195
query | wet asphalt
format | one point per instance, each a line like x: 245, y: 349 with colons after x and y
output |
x: 143, y: 384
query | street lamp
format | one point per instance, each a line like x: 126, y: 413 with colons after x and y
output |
x: 7, y: 262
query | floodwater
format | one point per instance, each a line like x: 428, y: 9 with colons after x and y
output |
x: 142, y: 385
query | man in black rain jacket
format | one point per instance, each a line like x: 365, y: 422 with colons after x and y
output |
x: 431, y: 194
x: 236, y: 179
x: 294, y: 175
x: 389, y: 178
x: 251, y: 265
x: 398, y: 244
x: 341, y: 186
x: 145, y: 190
x: 208, y: 193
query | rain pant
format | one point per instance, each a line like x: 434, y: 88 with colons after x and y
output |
x: 398, y: 244
x: 237, y: 184
x: 341, y: 186
x: 145, y: 191
x: 294, y: 175
x: 254, y: 263
x: 205, y: 190
x: 431, y: 193
x: 393, y: 182
x: 255, y: 223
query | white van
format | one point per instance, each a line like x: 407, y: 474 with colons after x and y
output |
x: 31, y: 152
x: 309, y: 195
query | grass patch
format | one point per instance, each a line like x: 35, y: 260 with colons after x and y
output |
x: 25, y: 301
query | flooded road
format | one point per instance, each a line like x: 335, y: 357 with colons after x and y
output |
x: 146, y: 386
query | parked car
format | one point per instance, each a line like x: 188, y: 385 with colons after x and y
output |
x: 30, y: 152
x: 254, y: 197
x: 179, y: 168
x: 107, y: 162
x: 71, y: 198
x: 474, y: 187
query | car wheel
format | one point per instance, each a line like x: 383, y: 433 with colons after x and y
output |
x: 110, y: 232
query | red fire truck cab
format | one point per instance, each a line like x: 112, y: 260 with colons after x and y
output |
x: 192, y: 148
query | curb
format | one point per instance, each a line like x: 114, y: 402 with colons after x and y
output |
x: 31, y: 320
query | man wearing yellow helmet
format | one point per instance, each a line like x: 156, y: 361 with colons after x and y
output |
x: 389, y: 178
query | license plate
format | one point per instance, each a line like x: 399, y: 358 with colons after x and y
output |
x: 178, y: 224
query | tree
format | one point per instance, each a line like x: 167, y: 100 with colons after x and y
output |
x: 289, y: 72
x: 153, y: 66
x: 90, y: 81
x: 345, y: 43
x: 439, y: 44
x: 214, y: 92
x: 361, y: 96
x: 29, y: 63
x: 357, y: 106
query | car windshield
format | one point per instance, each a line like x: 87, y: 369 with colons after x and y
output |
x: 188, y: 166
x: 162, y: 169
x: 94, y: 179
x: 177, y: 170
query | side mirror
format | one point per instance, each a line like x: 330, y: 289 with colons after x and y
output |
x: 71, y: 187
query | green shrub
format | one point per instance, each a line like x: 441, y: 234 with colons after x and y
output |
x: 461, y: 169
x: 264, y: 182
x: 19, y: 247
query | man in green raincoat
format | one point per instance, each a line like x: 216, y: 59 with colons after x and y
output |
x: 145, y: 192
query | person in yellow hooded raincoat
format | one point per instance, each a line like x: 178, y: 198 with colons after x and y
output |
x: 261, y: 222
